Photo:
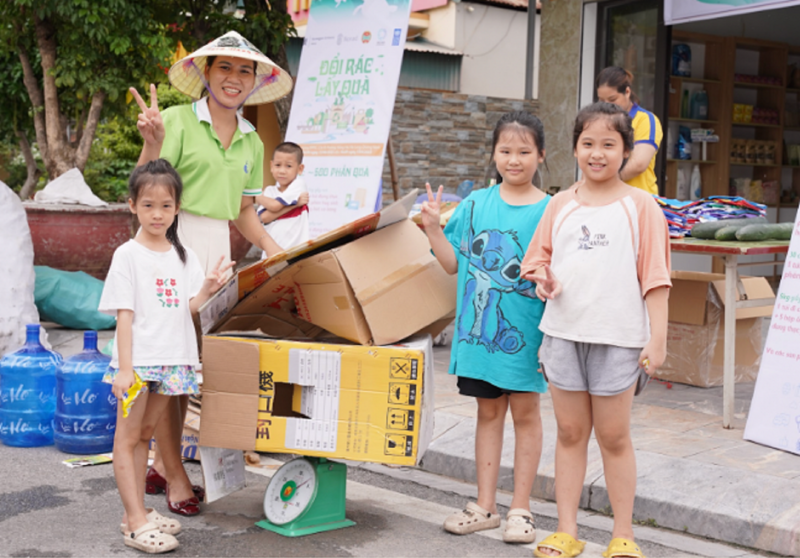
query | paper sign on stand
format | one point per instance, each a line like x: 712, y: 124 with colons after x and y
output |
x: 223, y: 472
x: 774, y: 418
x: 343, y: 101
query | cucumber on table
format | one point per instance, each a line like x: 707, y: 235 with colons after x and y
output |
x: 727, y: 233
x: 709, y: 229
x: 773, y: 231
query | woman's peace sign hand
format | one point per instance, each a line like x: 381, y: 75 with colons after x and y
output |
x: 431, y: 209
x: 150, y: 124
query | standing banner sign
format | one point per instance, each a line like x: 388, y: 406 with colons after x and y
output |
x: 774, y: 418
x: 684, y: 11
x: 343, y: 102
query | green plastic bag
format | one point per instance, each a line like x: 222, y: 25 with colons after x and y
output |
x: 70, y: 298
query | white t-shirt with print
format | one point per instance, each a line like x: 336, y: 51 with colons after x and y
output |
x: 291, y: 229
x: 157, y: 286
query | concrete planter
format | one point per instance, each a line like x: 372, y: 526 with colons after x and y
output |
x: 82, y: 238
x: 78, y: 237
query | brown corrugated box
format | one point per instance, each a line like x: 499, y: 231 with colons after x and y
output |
x: 374, y: 281
x: 695, y: 335
x: 371, y: 282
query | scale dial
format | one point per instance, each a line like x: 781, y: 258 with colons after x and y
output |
x: 290, y: 492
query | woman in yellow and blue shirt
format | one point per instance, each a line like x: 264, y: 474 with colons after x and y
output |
x: 614, y: 86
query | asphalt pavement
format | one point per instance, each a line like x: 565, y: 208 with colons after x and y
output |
x: 694, y: 478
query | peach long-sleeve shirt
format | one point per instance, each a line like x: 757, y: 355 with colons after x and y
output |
x: 607, y: 259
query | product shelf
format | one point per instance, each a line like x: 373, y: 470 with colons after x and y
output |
x: 756, y: 125
x: 771, y: 165
x: 693, y: 120
x: 745, y: 85
x: 696, y: 80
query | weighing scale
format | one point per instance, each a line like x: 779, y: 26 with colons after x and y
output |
x: 306, y: 496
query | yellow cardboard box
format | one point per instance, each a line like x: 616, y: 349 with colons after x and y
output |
x: 340, y: 401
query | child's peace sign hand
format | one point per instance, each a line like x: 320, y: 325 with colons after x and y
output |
x: 431, y: 208
x: 547, y: 286
x: 217, y: 277
x: 150, y: 124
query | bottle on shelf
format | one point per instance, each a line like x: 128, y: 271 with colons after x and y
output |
x: 696, y: 184
x: 28, y: 393
x: 682, y: 191
x: 86, y: 409
x: 685, y: 104
x: 699, y: 108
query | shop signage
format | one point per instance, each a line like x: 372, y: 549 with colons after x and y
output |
x: 343, y: 102
x: 684, y: 11
x: 774, y: 418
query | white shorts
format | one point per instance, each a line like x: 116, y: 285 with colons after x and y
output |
x: 208, y: 238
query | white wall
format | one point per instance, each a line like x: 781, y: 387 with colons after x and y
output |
x: 494, y: 41
x: 442, y: 25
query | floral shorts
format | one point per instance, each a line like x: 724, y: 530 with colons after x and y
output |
x: 164, y: 380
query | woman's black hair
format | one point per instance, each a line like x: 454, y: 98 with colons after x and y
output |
x: 162, y: 173
x: 210, y: 62
x: 618, y: 120
x: 521, y: 122
x: 617, y: 78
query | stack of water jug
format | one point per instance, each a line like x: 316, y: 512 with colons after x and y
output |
x: 46, y: 399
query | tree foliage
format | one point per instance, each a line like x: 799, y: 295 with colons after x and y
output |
x: 65, y: 67
x: 88, y: 51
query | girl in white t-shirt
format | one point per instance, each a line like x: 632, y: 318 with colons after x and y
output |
x: 600, y: 257
x: 153, y: 287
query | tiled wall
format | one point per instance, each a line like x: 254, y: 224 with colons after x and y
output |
x: 444, y: 138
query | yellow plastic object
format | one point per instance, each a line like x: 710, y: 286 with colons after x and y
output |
x: 133, y: 392
x: 620, y: 547
x: 566, y: 544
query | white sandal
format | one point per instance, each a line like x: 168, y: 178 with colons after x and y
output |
x: 519, y: 527
x: 149, y: 539
x: 164, y: 524
x: 471, y: 519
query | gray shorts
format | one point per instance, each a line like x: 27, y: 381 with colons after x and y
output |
x: 599, y: 369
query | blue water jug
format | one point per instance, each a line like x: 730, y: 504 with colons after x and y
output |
x: 28, y: 393
x: 86, y: 410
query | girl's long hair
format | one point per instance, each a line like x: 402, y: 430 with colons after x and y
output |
x: 162, y: 173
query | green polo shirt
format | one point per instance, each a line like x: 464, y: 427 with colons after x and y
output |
x: 214, y: 179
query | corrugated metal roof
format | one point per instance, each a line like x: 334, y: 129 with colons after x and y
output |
x: 422, y: 45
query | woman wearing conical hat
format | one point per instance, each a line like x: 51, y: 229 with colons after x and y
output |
x: 220, y: 159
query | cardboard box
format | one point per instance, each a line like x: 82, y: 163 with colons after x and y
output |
x: 320, y: 399
x: 695, y: 336
x: 374, y: 281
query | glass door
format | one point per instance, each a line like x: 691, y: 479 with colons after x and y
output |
x: 631, y: 34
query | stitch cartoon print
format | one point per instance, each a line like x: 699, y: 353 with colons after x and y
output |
x: 494, y: 269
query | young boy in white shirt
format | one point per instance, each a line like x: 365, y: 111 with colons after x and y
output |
x: 284, y: 206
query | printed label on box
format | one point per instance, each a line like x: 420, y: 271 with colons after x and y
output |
x: 319, y: 374
x: 400, y: 419
x: 403, y: 368
x: 399, y: 444
x: 402, y: 394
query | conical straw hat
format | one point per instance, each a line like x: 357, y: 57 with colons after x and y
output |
x: 187, y: 75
